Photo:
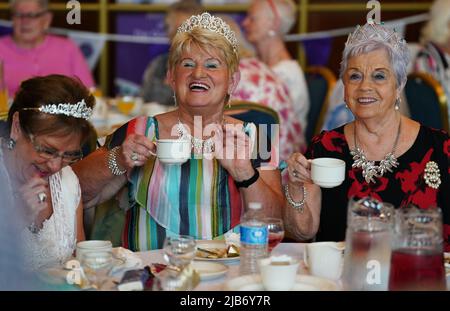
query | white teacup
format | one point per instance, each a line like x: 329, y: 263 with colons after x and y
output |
x: 325, y: 259
x: 92, y: 246
x: 173, y: 151
x: 327, y: 172
x: 278, y: 272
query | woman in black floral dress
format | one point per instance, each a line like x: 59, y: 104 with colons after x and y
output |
x: 374, y: 73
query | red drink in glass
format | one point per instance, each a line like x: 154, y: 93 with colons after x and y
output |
x: 417, y: 270
x: 275, y: 239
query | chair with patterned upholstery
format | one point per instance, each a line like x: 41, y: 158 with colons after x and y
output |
x: 427, y: 101
x: 320, y: 81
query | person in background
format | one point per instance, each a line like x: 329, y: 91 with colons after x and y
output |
x: 30, y: 51
x: 47, y: 125
x: 205, y: 196
x: 260, y: 84
x: 155, y: 87
x: 266, y: 23
x: 434, y: 57
x: 387, y: 155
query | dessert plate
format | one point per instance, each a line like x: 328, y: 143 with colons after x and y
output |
x: 303, y: 283
x: 213, y: 245
x: 209, y: 270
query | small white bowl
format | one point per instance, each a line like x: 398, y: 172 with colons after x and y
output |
x: 92, y: 246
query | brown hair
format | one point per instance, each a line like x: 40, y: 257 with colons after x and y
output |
x: 52, y: 89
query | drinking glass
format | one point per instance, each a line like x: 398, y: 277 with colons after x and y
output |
x: 97, y: 266
x: 276, y: 231
x: 179, y: 251
x: 3, y: 91
x: 125, y: 104
x: 417, y: 261
x: 367, y: 245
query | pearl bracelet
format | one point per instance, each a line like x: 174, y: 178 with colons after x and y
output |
x: 112, y: 162
x: 298, y: 206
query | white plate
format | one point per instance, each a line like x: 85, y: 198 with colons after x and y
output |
x: 303, y: 283
x: 211, y: 244
x: 209, y: 270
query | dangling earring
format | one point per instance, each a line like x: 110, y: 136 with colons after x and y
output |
x: 11, y: 144
x: 397, y: 103
x: 227, y: 100
x: 175, y: 99
x: 271, y: 33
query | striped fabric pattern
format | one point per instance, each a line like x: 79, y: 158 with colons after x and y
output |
x: 197, y: 198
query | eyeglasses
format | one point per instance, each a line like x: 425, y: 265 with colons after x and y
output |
x: 50, y: 153
x: 30, y: 15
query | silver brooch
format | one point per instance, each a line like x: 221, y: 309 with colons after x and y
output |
x: 432, y: 176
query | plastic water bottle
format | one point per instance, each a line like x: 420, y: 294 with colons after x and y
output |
x: 254, y: 239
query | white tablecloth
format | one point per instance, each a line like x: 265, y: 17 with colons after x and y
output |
x: 292, y: 249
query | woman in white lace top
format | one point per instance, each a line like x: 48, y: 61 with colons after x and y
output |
x: 47, y: 125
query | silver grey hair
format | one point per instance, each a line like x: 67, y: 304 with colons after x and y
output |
x: 370, y: 38
x: 42, y: 3
x: 287, y: 11
x: 437, y: 28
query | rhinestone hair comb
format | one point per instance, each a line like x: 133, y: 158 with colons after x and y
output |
x: 78, y: 110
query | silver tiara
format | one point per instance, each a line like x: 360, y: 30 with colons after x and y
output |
x: 78, y: 110
x: 212, y: 23
x: 377, y: 32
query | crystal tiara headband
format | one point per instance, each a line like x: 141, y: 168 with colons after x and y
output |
x: 373, y: 31
x: 212, y: 23
x: 78, y: 110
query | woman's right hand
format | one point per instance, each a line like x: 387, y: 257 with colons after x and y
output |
x: 36, y: 195
x: 136, y: 150
x: 299, y: 169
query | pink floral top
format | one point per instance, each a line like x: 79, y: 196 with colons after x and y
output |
x: 260, y: 84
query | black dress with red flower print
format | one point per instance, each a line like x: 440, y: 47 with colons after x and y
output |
x: 405, y: 185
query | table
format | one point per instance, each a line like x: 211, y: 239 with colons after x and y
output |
x: 292, y: 249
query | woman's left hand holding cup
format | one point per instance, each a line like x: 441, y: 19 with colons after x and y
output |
x: 299, y: 169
